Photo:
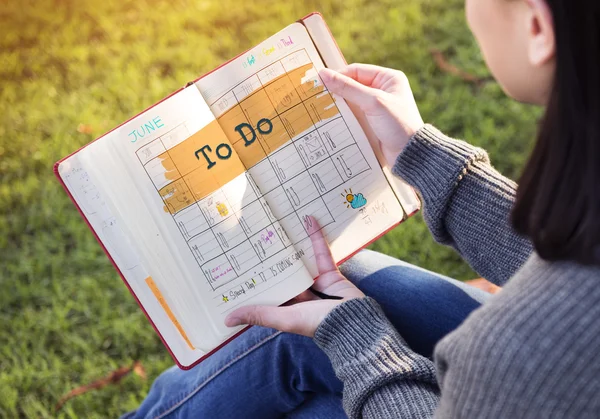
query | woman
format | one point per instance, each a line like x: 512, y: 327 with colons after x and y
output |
x: 530, y: 351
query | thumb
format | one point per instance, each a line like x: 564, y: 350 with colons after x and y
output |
x: 257, y: 315
x: 348, y: 88
x: 302, y: 318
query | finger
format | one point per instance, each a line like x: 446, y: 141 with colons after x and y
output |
x: 323, y: 257
x: 363, y: 73
x: 374, y: 76
x: 292, y: 319
x: 348, y: 88
x: 256, y: 315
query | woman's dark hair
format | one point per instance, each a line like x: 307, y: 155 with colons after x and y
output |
x: 558, y: 199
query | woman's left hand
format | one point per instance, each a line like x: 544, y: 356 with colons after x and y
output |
x: 303, y: 314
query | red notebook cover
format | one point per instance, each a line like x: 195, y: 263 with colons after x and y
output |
x: 60, y: 179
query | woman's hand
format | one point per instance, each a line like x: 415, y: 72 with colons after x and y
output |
x: 303, y: 314
x: 384, y: 95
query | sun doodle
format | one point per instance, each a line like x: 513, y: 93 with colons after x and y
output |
x: 354, y: 201
x: 348, y: 196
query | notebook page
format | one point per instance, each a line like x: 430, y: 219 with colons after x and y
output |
x: 93, y: 205
x: 303, y: 148
x: 204, y: 235
x: 333, y: 58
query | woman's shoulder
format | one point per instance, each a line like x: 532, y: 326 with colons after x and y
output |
x: 532, y: 346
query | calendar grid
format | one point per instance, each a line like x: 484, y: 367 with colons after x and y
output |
x: 294, y: 144
x: 309, y: 155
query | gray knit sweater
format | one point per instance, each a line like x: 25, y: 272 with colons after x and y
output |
x: 531, y: 351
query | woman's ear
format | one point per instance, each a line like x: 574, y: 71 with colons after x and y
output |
x: 542, y: 46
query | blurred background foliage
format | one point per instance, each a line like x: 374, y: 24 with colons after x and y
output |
x: 71, y: 70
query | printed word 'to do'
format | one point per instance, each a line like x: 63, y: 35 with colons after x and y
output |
x: 246, y: 131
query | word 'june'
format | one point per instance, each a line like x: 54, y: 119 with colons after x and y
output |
x: 223, y: 151
x: 146, y: 129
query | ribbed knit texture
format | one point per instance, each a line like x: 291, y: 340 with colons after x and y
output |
x: 466, y: 202
x: 370, y: 348
x: 531, y: 351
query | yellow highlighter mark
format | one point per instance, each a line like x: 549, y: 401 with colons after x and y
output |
x: 305, y: 85
x: 282, y: 93
x: 191, y: 178
x: 292, y: 103
x: 262, y: 122
x: 321, y: 107
x: 222, y: 208
x: 176, y: 196
x: 167, y: 309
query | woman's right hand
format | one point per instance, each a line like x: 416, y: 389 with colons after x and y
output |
x: 384, y: 95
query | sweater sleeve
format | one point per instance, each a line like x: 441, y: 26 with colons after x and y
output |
x: 467, y: 203
x: 383, y: 378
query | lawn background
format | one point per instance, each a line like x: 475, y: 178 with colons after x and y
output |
x: 71, y: 70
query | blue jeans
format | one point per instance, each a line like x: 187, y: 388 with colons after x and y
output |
x: 265, y: 373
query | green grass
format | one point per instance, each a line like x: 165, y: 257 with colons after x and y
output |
x: 65, y: 316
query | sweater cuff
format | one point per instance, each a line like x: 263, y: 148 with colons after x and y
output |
x: 434, y: 164
x: 359, y: 339
x: 371, y: 359
x: 350, y: 328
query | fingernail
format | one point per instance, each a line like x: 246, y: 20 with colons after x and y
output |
x: 325, y: 73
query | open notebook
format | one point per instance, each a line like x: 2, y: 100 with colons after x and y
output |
x: 201, y: 201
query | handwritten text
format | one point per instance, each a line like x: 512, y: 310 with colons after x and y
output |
x: 145, y: 129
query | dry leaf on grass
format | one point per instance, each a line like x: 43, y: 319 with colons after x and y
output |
x: 85, y: 128
x: 114, y: 377
x: 444, y: 65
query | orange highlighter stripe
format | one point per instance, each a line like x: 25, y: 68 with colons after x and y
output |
x: 165, y: 306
